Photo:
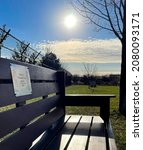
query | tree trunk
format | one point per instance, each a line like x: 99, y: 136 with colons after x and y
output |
x: 122, y: 102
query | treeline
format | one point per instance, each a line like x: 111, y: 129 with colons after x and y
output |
x: 98, y: 80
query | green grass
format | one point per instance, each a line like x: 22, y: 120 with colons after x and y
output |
x: 117, y: 120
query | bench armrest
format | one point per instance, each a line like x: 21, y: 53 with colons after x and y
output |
x: 101, y: 100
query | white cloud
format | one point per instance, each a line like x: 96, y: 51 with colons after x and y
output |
x: 91, y: 51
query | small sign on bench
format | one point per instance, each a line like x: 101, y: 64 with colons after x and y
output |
x: 21, y: 80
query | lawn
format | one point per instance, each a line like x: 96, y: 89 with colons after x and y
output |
x: 117, y: 120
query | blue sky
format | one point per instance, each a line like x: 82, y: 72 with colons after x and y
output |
x: 42, y: 22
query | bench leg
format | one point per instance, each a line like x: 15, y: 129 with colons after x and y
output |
x: 105, y: 111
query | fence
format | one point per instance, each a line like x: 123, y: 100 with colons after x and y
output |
x: 9, y: 46
x: 8, y: 42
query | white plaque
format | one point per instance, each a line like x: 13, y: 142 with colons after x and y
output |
x: 21, y: 80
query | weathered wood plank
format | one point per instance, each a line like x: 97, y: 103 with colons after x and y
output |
x: 20, y: 116
x: 8, y: 97
x: 97, y: 140
x: 79, y: 140
x: 23, y: 139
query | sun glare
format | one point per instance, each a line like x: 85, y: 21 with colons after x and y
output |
x: 70, y: 21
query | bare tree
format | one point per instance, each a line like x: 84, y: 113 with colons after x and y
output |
x: 90, y: 70
x: 108, y: 15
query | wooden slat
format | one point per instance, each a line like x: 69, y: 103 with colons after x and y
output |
x: 86, y: 99
x: 97, y: 140
x: 36, y: 72
x: 8, y: 97
x: 20, y: 116
x: 68, y: 130
x: 112, y: 143
x: 79, y: 140
x: 92, y: 95
x: 23, y: 139
x: 43, y: 140
x: 64, y: 136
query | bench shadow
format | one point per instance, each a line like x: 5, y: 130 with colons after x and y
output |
x: 70, y: 130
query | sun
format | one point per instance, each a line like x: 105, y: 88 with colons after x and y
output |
x: 70, y: 21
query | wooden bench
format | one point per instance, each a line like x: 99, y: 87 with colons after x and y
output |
x: 35, y: 117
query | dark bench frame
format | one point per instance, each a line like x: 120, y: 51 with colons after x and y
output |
x: 50, y: 109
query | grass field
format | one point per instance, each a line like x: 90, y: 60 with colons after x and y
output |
x: 117, y: 120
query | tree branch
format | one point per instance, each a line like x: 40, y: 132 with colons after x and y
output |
x: 110, y: 21
x: 120, y: 10
x: 121, y: 3
x: 108, y: 16
x: 100, y: 26
x: 117, y: 18
x: 95, y: 1
x: 90, y: 11
x: 96, y: 8
x: 83, y: 13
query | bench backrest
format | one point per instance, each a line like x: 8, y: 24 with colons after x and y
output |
x: 24, y: 117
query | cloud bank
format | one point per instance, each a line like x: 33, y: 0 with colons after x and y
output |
x: 87, y: 51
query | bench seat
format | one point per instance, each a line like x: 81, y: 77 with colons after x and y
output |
x: 79, y: 133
